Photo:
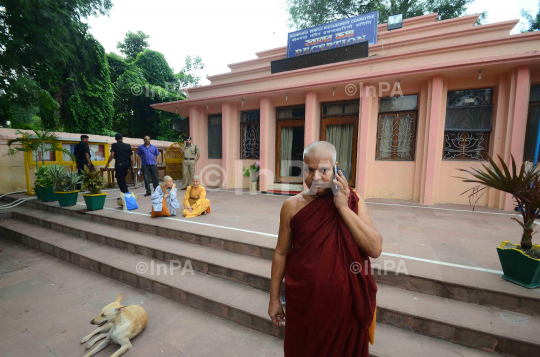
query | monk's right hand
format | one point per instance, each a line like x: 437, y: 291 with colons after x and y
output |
x: 275, y: 310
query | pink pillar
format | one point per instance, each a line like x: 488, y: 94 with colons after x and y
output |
x: 517, y: 121
x: 313, y: 118
x: 196, y: 131
x: 433, y: 140
x: 366, y: 103
x: 267, y: 144
x: 230, y: 145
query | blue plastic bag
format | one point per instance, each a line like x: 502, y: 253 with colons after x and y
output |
x: 131, y: 201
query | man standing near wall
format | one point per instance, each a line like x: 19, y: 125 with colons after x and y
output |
x: 148, y: 155
x: 123, y: 159
x: 191, y: 156
x: 82, y: 156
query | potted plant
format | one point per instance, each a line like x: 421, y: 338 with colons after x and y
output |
x: 93, y: 182
x: 520, y: 262
x: 43, y: 184
x: 64, y: 184
x: 36, y: 143
x: 253, y: 173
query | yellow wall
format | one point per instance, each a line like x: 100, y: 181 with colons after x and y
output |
x: 12, y: 170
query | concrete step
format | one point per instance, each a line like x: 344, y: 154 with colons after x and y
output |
x: 239, y: 303
x: 243, y: 269
x: 241, y: 263
x: 205, y: 335
x: 470, y: 325
x: 234, y: 240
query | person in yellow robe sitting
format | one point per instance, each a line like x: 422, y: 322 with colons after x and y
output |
x: 195, y: 201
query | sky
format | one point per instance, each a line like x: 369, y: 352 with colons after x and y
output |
x: 224, y: 32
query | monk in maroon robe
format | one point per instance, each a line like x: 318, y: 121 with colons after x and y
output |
x: 325, y: 240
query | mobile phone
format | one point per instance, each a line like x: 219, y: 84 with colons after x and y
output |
x: 335, y: 187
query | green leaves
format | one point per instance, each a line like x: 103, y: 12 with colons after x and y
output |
x: 155, y: 68
x: 89, y: 109
x: 533, y: 23
x: 308, y: 13
x: 92, y: 181
x: 134, y: 43
x: 35, y: 141
x: 522, y: 184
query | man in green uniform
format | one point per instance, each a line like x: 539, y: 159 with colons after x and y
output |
x: 191, y: 156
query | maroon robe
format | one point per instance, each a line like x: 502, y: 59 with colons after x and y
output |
x: 329, y: 308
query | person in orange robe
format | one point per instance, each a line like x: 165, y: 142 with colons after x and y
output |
x: 324, y: 244
x: 195, y: 201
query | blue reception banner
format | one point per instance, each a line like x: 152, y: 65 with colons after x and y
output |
x: 333, y: 35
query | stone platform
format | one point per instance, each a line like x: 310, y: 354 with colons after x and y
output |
x: 438, y: 276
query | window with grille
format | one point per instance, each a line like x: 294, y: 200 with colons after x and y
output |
x: 396, y: 136
x: 532, y: 123
x: 250, y: 134
x: 468, y: 124
x: 214, y: 136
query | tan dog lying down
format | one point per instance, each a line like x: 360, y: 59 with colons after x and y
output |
x: 119, y: 324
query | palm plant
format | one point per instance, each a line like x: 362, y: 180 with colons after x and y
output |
x: 92, y: 181
x: 523, y: 186
x: 40, y: 141
x: 57, y: 174
x: 70, y: 181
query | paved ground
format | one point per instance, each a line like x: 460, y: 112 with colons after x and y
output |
x: 46, y: 306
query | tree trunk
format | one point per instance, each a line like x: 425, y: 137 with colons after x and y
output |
x: 526, y: 239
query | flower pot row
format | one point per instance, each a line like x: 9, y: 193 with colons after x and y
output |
x: 66, y: 199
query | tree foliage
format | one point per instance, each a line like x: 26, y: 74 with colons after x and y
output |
x: 155, y: 68
x: 89, y: 109
x: 117, y: 66
x: 308, y: 13
x: 533, y: 23
x: 185, y: 79
x: 56, y: 75
x: 134, y: 43
x: 38, y: 37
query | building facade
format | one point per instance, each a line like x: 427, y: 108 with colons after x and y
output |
x: 431, y: 98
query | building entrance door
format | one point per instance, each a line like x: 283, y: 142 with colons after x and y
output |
x: 343, y: 133
x: 290, y: 147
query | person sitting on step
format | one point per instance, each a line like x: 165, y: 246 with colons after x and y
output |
x: 168, y: 191
x: 195, y: 201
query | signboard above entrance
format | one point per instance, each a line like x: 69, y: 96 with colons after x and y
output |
x: 362, y: 28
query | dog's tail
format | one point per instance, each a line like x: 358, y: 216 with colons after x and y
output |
x: 119, y: 299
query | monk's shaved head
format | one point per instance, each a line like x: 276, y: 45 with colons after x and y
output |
x: 318, y: 147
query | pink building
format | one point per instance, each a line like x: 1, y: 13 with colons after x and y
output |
x: 468, y: 92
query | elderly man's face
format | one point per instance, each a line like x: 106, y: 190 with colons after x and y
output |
x: 318, y: 171
x: 195, y: 183
x: 168, y: 183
